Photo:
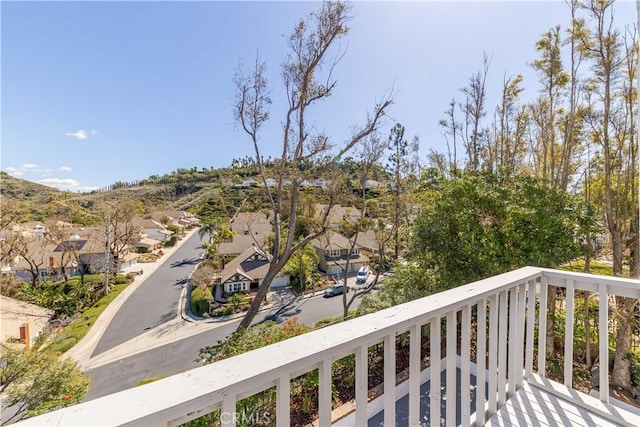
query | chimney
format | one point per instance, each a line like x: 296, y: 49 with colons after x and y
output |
x: 25, y: 337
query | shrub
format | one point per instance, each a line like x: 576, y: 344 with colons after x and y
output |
x: 200, y: 300
x: 225, y: 310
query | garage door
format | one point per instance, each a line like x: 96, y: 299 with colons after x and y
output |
x: 280, y: 282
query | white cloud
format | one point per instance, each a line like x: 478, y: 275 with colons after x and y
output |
x: 64, y: 169
x: 78, y: 135
x: 66, y: 184
x: 22, y: 169
x: 94, y: 132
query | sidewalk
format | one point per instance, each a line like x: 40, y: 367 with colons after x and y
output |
x: 81, y: 352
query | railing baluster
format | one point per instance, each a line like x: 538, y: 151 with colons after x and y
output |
x: 434, y: 371
x: 604, y: 342
x: 283, y: 401
x: 542, y: 328
x: 531, y: 319
x: 390, y: 380
x: 522, y: 301
x: 361, y: 385
x: 451, y: 388
x: 414, y: 376
x: 465, y: 375
x: 493, y: 355
x: 502, y: 350
x: 568, y: 334
x: 512, y: 343
x: 481, y: 357
x: 228, y: 412
x: 324, y: 392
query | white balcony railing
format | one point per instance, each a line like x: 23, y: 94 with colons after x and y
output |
x: 497, y: 317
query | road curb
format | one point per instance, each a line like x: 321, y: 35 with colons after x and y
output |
x: 81, y: 352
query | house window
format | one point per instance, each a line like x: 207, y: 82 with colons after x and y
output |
x: 354, y: 251
x: 334, y: 253
x: 237, y: 287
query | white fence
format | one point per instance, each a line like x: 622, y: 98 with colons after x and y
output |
x: 496, y: 317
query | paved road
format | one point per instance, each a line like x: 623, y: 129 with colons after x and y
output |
x: 182, y: 355
x: 156, y: 300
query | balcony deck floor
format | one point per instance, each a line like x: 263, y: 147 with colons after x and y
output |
x: 532, y: 406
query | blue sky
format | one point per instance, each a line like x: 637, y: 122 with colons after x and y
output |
x: 99, y: 92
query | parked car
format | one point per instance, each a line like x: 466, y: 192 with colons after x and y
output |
x: 362, y: 275
x: 334, y: 290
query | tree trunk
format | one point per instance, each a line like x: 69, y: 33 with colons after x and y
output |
x: 620, y: 376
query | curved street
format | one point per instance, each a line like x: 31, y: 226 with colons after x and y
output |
x: 156, y: 301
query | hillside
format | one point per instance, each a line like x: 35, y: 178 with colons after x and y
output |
x: 208, y: 193
x: 23, y: 190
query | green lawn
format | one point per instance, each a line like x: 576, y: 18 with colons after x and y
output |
x: 76, y: 330
x: 594, y: 268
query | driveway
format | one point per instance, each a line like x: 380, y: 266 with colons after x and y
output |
x: 156, y: 301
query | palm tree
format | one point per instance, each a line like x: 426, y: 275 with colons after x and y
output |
x: 210, y: 230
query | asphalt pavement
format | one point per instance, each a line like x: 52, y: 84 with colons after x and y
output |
x: 145, y: 333
x: 156, y: 301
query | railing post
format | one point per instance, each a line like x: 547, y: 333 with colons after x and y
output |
x: 502, y: 349
x: 531, y: 319
x: 493, y: 355
x: 324, y: 392
x: 362, y: 370
x: 414, y: 376
x: 542, y: 328
x: 465, y: 375
x: 389, y: 380
x: 434, y: 372
x: 481, y: 364
x: 522, y: 304
x: 228, y: 415
x: 283, y: 401
x: 451, y: 387
x: 512, y: 347
x: 568, y: 334
x: 604, y: 342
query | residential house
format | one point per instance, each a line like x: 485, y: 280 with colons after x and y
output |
x: 81, y: 251
x: 369, y: 245
x: 180, y: 219
x: 22, y: 321
x: 249, y: 228
x: 245, y: 273
x: 152, y: 229
x: 270, y: 182
x: 334, y: 250
x: 249, y: 182
x: 141, y: 240
x: 338, y: 214
x: 321, y: 183
x: 372, y: 184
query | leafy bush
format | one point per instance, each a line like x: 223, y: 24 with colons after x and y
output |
x: 200, y: 300
x: 634, y: 368
x: 225, y: 310
x: 252, y: 338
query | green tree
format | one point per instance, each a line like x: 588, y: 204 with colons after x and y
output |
x: 301, y: 265
x: 505, y: 225
x: 37, y: 381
